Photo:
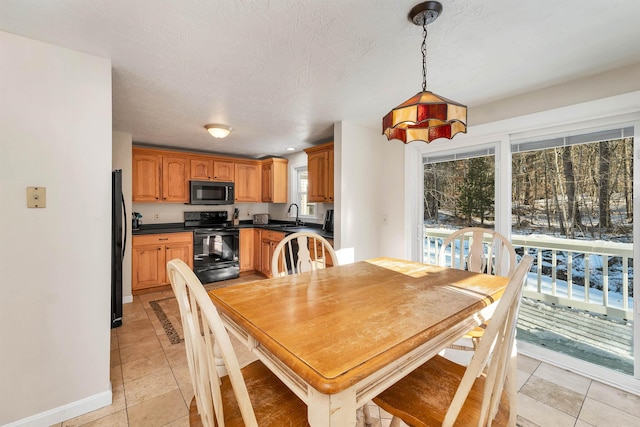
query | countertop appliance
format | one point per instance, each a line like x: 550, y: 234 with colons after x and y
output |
x: 328, y: 221
x: 211, y: 193
x: 118, y: 244
x: 216, y: 246
x: 262, y: 218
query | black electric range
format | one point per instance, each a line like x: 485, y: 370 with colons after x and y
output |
x: 216, y: 245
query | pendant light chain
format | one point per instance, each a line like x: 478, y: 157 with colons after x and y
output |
x: 424, y: 55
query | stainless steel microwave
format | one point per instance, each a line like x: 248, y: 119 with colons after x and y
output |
x: 211, y: 193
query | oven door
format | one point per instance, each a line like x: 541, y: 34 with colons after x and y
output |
x: 215, y: 255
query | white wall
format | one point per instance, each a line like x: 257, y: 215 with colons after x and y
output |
x: 358, y: 189
x: 122, y: 159
x: 55, y: 115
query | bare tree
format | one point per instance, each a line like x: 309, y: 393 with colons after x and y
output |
x: 604, y: 158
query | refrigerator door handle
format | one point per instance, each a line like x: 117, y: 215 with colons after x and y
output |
x: 124, y: 243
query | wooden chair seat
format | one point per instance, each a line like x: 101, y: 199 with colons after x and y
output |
x: 273, y: 403
x: 438, y: 377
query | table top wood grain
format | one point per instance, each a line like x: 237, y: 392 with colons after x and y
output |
x: 336, y: 326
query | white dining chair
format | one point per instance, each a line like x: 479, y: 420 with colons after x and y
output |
x: 480, y: 250
x: 443, y: 393
x: 250, y: 396
x: 302, y: 252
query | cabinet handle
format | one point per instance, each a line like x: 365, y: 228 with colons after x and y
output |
x: 160, y: 248
x: 164, y: 238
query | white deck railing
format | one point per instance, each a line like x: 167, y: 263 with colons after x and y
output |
x: 545, y: 285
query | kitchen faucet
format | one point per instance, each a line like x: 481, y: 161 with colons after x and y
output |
x: 298, y: 222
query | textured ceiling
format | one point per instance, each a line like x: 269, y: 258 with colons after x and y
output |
x: 281, y: 72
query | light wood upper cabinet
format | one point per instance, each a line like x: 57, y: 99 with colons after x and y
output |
x: 151, y: 253
x: 248, y: 179
x: 211, y: 169
x: 223, y: 171
x: 274, y: 180
x: 163, y: 176
x: 147, y: 177
x: 175, y: 179
x: 201, y: 169
x: 320, y: 169
x: 159, y: 176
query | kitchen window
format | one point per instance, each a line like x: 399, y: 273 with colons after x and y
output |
x: 301, y: 185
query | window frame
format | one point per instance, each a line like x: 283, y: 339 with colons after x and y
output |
x: 296, y: 169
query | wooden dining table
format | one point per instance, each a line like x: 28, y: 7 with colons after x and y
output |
x: 339, y: 336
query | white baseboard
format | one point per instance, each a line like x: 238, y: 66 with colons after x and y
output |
x: 127, y: 299
x: 66, y: 412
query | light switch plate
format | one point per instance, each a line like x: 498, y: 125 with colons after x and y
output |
x: 36, y: 197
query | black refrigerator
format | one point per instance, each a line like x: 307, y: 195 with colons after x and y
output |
x: 118, y: 244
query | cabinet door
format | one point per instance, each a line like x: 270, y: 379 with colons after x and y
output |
x: 318, y: 168
x: 257, y: 255
x: 330, y: 175
x: 223, y: 171
x: 266, y: 253
x: 148, y: 266
x: 175, y: 179
x: 247, y: 182
x: 183, y: 251
x: 146, y: 179
x: 246, y: 249
x: 201, y: 169
x: 267, y: 182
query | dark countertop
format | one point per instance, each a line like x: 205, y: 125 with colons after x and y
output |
x: 284, y: 226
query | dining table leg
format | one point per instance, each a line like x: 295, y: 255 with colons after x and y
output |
x: 332, y: 410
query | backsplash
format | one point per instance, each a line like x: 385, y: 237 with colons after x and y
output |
x: 162, y: 213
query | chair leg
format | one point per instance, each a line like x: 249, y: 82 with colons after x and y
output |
x: 511, y: 385
x: 395, y: 422
x: 366, y: 415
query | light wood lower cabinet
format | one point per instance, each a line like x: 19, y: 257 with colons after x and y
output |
x: 246, y: 249
x: 151, y: 252
x: 268, y: 242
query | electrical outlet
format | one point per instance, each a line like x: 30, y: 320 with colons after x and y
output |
x: 156, y: 216
x: 321, y: 216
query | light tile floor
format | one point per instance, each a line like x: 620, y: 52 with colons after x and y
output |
x: 152, y: 387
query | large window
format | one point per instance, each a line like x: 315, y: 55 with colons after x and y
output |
x: 567, y: 199
x: 301, y: 185
x: 572, y: 208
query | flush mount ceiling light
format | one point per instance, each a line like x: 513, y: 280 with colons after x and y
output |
x: 218, y: 131
x: 426, y: 116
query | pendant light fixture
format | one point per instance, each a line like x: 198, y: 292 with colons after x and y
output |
x: 426, y: 116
